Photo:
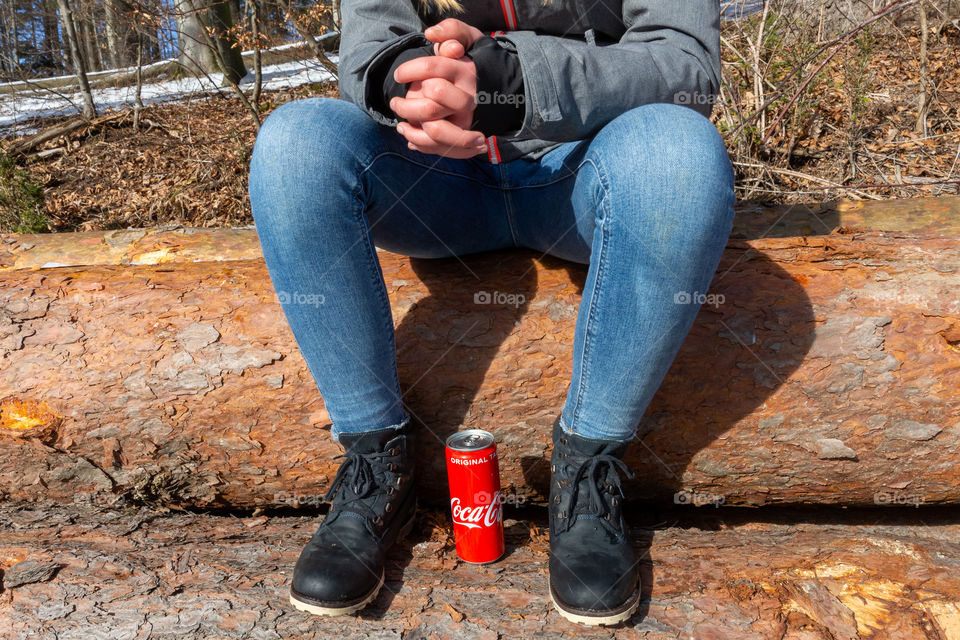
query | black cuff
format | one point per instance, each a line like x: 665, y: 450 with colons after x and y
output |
x: 385, y: 87
x: 501, y: 96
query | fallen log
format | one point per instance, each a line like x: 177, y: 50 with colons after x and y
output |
x: 172, y: 243
x: 32, y: 142
x: 828, y: 374
x: 70, y: 572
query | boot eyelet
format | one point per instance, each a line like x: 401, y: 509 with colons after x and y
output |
x: 563, y: 441
x: 379, y: 520
x: 556, y: 500
x: 391, y: 491
x: 606, y: 517
x: 395, y: 451
x: 392, y: 466
x: 553, y: 468
x: 388, y: 508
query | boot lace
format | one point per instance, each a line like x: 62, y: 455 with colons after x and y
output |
x: 355, y: 481
x: 596, y: 469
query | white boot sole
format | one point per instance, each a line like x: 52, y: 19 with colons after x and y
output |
x: 613, y: 618
x: 319, y: 610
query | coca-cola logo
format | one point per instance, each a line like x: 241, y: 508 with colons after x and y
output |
x: 483, y: 515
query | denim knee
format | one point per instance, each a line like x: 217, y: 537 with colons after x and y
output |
x: 304, y: 135
x: 671, y: 158
x: 306, y: 147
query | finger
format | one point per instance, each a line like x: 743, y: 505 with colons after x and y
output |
x: 450, y: 49
x: 426, y: 135
x: 446, y: 151
x: 425, y: 67
x: 448, y: 29
x: 444, y: 132
x: 446, y: 93
x: 461, y: 154
x: 419, y: 109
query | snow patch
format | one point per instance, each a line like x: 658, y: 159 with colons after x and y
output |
x: 19, y: 110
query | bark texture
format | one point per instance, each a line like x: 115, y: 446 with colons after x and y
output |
x: 78, y: 574
x: 828, y: 374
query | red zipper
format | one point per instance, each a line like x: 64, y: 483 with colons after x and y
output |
x: 493, y: 152
x: 510, y: 18
x: 509, y: 14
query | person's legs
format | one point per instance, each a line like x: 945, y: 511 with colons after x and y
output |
x: 327, y: 184
x: 648, y: 203
x: 650, y: 207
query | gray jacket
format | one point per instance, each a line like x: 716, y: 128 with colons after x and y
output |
x: 584, y: 62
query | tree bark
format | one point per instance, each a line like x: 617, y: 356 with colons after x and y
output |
x: 230, y: 58
x: 257, y: 58
x: 219, y: 52
x: 79, y: 65
x: 51, y: 35
x: 74, y: 572
x: 193, y: 52
x: 114, y: 46
x: 88, y: 38
x: 828, y: 373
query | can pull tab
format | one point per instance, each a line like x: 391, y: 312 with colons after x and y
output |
x: 472, y: 440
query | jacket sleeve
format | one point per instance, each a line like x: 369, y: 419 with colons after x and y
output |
x: 500, y: 93
x: 670, y: 52
x: 373, y: 34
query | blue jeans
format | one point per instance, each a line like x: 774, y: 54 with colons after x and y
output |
x: 647, y: 202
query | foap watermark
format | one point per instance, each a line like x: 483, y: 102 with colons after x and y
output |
x: 688, y: 98
x: 698, y: 499
x: 293, y: 499
x: 295, y: 297
x: 898, y: 497
x: 512, y: 499
x: 496, y: 97
x: 90, y: 299
x: 499, y: 297
x: 712, y: 299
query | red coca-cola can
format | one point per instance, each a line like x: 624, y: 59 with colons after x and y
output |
x: 474, y: 475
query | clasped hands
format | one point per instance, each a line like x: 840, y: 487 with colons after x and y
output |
x: 439, y: 105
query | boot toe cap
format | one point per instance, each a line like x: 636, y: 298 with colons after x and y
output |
x: 331, y: 576
x: 594, y: 579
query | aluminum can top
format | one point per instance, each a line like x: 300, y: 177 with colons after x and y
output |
x: 470, y: 440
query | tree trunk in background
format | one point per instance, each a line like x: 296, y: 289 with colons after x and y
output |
x: 11, y: 50
x: 113, y: 37
x: 3, y: 42
x: 193, y: 52
x: 257, y: 58
x: 89, y: 39
x: 235, y: 10
x: 79, y: 67
x: 198, y: 51
x: 51, y: 35
x: 221, y: 19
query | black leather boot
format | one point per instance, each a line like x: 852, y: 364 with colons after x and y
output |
x: 341, y: 568
x: 594, y: 570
